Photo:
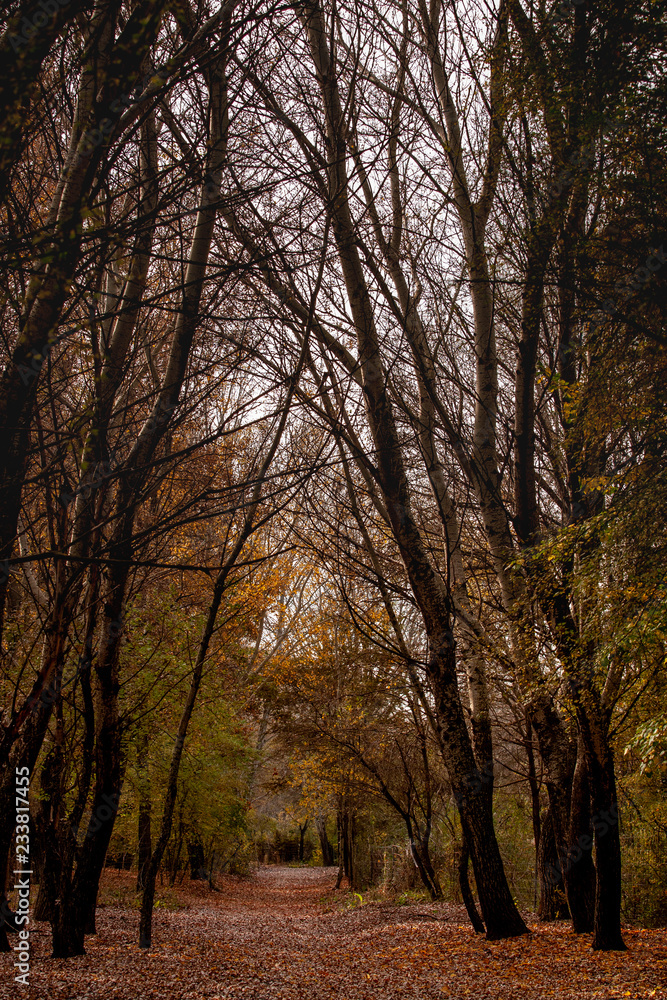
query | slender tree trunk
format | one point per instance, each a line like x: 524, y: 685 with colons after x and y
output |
x: 593, y: 719
x: 144, y: 822
x: 553, y: 900
x: 151, y: 871
x: 422, y: 859
x: 580, y: 877
x: 46, y: 815
x: 325, y: 845
x: 464, y: 886
x: 345, y: 846
x: 534, y: 796
x: 500, y: 913
x: 302, y: 835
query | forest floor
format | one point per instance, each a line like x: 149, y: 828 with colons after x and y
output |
x: 285, y: 935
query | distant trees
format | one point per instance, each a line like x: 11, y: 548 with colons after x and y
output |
x: 380, y: 286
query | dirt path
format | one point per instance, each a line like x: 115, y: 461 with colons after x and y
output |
x: 286, y: 936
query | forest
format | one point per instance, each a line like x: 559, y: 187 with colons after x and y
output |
x: 333, y: 495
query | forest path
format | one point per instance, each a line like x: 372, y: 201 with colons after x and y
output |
x: 285, y: 935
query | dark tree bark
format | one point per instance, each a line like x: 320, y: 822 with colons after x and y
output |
x: 302, y: 834
x: 325, y: 845
x: 196, y: 860
x: 345, y: 826
x: 580, y: 878
x: 553, y: 900
x: 607, y: 934
x: 144, y: 821
x: 569, y: 818
x: 532, y: 784
x: 462, y: 859
x: 499, y: 910
x: 422, y: 859
x: 593, y: 717
x: 46, y: 815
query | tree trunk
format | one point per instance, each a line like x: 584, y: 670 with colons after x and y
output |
x: 302, y: 835
x: 68, y: 930
x: 600, y: 762
x: 593, y: 720
x: 144, y: 823
x: 553, y: 901
x: 422, y: 859
x: 464, y: 886
x: 50, y: 878
x: 500, y: 913
x: 580, y: 877
x: 325, y: 845
x: 345, y: 847
x: 196, y: 860
x: 569, y: 816
x: 534, y: 798
x: 46, y: 815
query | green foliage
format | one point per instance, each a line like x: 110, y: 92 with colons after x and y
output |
x: 211, y: 814
x: 644, y: 844
x: 650, y: 743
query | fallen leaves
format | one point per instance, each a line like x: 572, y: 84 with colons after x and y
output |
x: 284, y: 936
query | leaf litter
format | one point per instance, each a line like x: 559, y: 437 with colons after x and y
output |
x: 284, y: 934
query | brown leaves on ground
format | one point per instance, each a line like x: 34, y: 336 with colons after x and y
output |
x: 284, y: 935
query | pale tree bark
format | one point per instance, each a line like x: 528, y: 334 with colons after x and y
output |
x: 406, y: 306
